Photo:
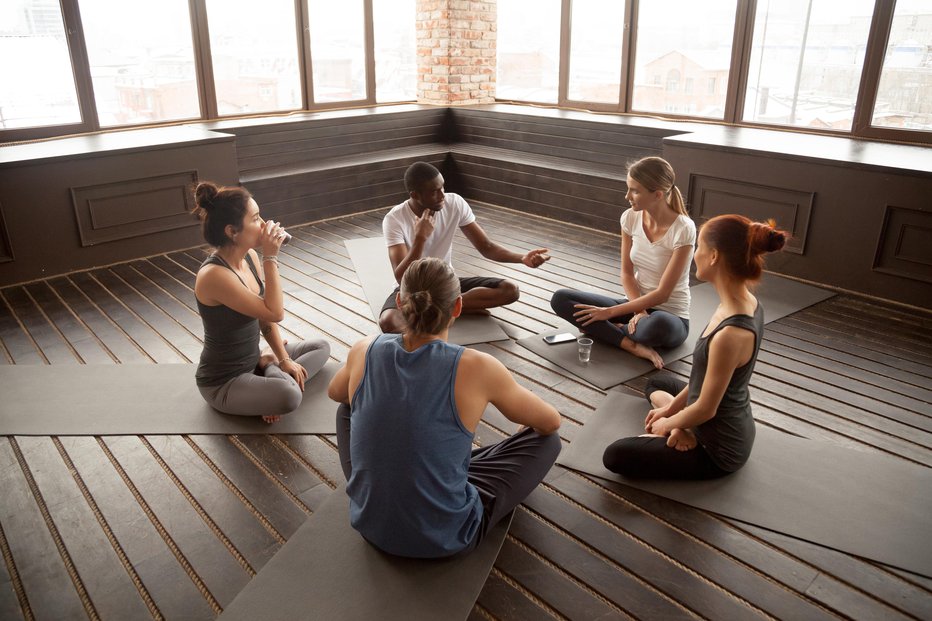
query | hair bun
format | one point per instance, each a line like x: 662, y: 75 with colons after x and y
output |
x: 204, y: 195
x: 766, y: 237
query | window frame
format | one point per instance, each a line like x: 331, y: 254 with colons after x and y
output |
x: 204, y: 75
x: 878, y: 35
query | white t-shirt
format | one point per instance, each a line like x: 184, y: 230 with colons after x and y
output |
x: 650, y: 258
x: 398, y: 226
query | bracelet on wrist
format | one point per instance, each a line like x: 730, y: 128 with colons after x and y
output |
x: 272, y: 258
x: 284, y: 360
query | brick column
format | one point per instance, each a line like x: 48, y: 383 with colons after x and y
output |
x: 456, y: 51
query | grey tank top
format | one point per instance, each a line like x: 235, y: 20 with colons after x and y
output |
x: 231, y: 339
x: 729, y: 435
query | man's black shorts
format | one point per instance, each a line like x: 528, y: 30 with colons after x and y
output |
x: 465, y: 285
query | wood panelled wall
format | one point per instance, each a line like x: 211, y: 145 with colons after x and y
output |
x: 859, y: 215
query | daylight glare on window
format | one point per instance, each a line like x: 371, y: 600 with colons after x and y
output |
x: 36, y: 82
x: 395, y: 50
x: 528, y: 50
x: 806, y: 62
x: 254, y: 49
x: 337, y: 50
x: 595, y: 50
x: 679, y: 68
x: 904, y: 98
x: 142, y: 60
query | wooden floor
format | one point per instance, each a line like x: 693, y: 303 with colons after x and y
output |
x: 173, y: 527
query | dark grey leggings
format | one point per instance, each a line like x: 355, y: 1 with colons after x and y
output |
x: 651, y: 458
x: 274, y: 392
x: 503, y: 473
x: 658, y: 329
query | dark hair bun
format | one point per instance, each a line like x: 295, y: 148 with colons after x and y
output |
x: 765, y: 237
x: 204, y: 195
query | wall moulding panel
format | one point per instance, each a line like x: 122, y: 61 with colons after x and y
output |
x: 134, y: 207
x: 711, y: 196
x: 6, y: 248
x: 904, y: 247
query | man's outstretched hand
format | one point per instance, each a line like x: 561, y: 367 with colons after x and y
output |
x: 536, y: 257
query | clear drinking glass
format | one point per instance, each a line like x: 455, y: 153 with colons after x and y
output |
x: 585, y: 349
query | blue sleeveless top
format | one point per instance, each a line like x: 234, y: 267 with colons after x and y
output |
x: 409, y: 494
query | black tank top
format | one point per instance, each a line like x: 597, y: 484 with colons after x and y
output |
x: 729, y: 435
x: 231, y: 339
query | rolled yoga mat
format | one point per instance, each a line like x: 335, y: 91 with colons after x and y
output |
x: 610, y: 366
x: 370, y: 259
x: 865, y: 504
x: 327, y: 570
x: 139, y: 399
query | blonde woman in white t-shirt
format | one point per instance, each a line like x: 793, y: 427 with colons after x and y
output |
x: 657, y: 243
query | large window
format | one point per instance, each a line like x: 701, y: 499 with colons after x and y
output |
x: 596, y: 28
x: 904, y: 97
x: 395, y: 50
x: 86, y: 65
x: 673, y: 56
x: 806, y: 62
x: 528, y: 50
x: 254, y: 53
x: 861, y: 67
x: 141, y: 60
x: 338, y: 50
x: 42, y: 91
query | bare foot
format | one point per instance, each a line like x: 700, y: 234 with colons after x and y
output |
x: 683, y: 439
x: 271, y: 419
x: 642, y: 351
x: 265, y: 359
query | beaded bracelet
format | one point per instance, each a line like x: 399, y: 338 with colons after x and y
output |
x: 272, y: 258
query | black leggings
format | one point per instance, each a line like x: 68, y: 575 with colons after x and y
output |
x: 651, y: 458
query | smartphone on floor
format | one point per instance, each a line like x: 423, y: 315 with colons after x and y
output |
x: 563, y: 337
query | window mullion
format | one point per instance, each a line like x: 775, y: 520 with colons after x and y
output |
x: 874, y: 53
x: 80, y: 65
x: 563, y: 79
x: 369, y: 50
x: 740, y: 59
x: 203, y: 60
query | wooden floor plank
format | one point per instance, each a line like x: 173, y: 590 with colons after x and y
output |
x: 174, y: 593
x: 144, y: 336
x: 212, y: 564
x: 54, y: 347
x: 116, y: 340
x: 181, y: 341
x: 110, y: 588
x: 17, y: 342
x: 243, y: 532
x: 279, y: 513
x: 82, y: 339
x: 48, y: 588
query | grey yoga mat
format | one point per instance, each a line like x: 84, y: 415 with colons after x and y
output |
x: 138, y: 399
x: 866, y: 504
x: 370, y: 259
x: 327, y: 570
x: 610, y: 366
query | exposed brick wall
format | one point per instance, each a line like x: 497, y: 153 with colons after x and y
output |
x: 456, y: 51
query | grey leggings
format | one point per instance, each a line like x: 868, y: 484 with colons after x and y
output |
x: 658, y: 329
x: 274, y: 392
x: 503, y: 473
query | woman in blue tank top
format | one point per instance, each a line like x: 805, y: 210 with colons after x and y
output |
x: 410, y: 405
x: 236, y: 304
x: 704, y: 429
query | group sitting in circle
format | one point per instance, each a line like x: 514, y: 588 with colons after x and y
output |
x: 410, y: 402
